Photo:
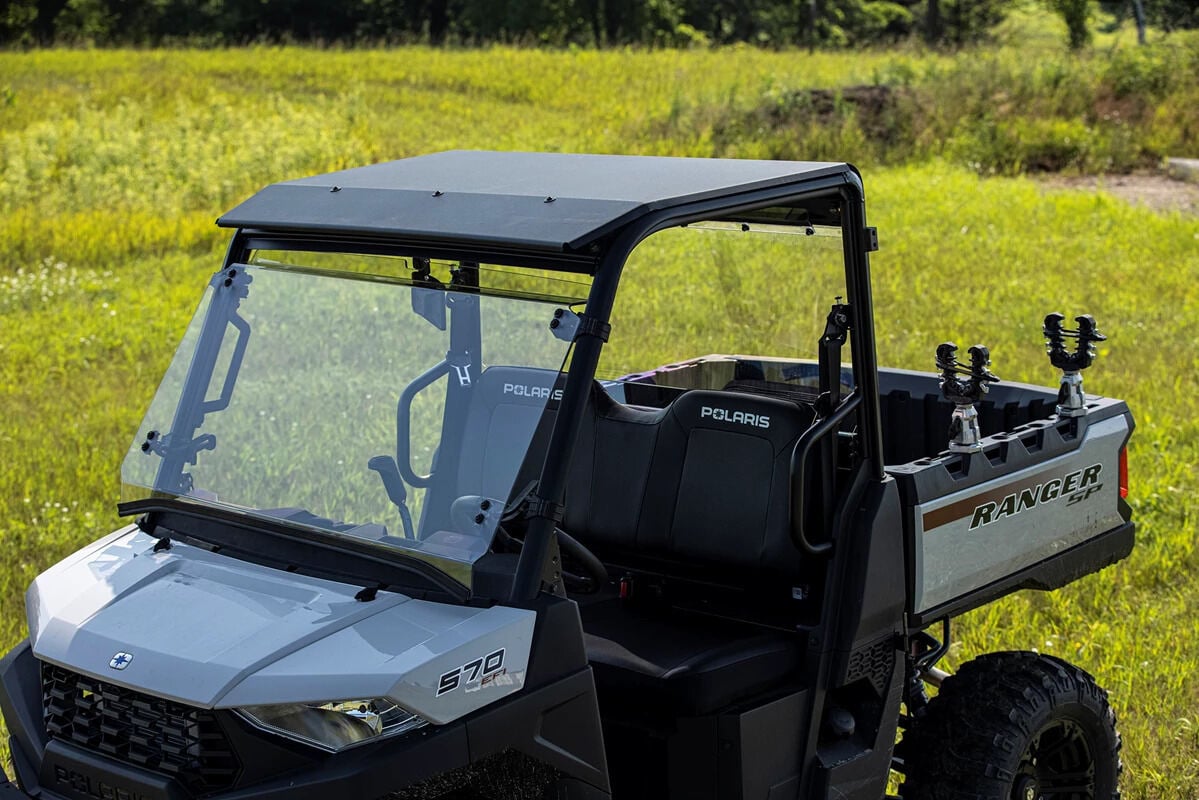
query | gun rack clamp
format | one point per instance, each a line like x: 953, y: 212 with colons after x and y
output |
x: 1071, y: 401
x: 965, y: 435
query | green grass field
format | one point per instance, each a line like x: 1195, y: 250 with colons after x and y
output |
x: 113, y: 166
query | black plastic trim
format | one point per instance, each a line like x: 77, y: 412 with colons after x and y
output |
x: 559, y: 725
x: 1052, y: 573
x: 311, y: 551
x: 21, y: 701
x: 81, y: 775
x: 8, y: 789
x: 1003, y: 453
x: 25, y: 770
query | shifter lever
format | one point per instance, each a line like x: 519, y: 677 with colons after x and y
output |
x: 393, y: 484
x: 965, y: 436
x: 1071, y: 401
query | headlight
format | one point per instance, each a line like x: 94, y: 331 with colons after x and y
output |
x: 335, y: 725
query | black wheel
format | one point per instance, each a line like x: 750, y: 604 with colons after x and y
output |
x: 1014, y: 726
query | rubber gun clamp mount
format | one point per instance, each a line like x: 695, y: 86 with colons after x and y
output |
x: 1071, y: 402
x: 965, y: 436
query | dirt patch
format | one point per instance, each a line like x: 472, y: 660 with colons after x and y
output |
x: 876, y: 109
x: 1157, y: 192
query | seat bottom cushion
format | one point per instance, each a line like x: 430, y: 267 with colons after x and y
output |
x: 682, y: 664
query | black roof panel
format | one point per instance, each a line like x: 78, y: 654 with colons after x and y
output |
x: 501, y: 198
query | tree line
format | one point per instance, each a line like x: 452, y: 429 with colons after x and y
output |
x: 670, y: 23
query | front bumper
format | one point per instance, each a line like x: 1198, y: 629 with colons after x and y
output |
x: 276, y: 769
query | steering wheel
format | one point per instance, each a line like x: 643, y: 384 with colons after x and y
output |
x: 586, y: 573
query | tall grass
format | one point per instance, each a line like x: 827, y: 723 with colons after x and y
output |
x: 995, y: 111
x: 114, y: 164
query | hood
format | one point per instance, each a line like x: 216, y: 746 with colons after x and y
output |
x: 209, y: 630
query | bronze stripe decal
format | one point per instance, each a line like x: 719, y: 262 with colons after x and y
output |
x: 964, y: 508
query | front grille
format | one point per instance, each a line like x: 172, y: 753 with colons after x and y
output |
x: 183, y: 742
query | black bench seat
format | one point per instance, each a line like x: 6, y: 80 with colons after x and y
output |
x: 700, y: 488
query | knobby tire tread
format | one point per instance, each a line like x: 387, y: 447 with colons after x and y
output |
x: 969, y: 743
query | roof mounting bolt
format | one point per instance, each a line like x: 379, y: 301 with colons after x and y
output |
x: 438, y: 193
x: 549, y: 199
x: 335, y: 189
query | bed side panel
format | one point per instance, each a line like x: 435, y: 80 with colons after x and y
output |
x: 970, y: 538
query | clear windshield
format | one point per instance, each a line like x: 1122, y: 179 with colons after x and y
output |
x: 390, y: 409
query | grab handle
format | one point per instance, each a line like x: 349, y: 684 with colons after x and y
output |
x: 799, y: 467
x: 404, y: 425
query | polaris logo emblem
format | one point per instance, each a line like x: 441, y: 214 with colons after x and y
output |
x: 1074, y: 486
x: 536, y: 392
x: 737, y: 417
x: 93, y: 787
x: 120, y: 660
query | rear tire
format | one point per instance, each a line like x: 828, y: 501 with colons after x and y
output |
x: 1014, y: 726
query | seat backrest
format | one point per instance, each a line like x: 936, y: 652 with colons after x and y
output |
x: 505, y: 410
x: 719, y: 487
x: 704, y: 481
x: 610, y: 471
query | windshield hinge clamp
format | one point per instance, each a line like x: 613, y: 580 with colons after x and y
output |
x: 593, y: 327
x: 235, y: 279
x: 565, y: 324
x: 536, y: 507
x: 155, y: 443
x: 569, y: 326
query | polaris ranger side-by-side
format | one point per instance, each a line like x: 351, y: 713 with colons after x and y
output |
x: 404, y: 524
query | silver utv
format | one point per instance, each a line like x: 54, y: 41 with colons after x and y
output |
x: 405, y: 524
